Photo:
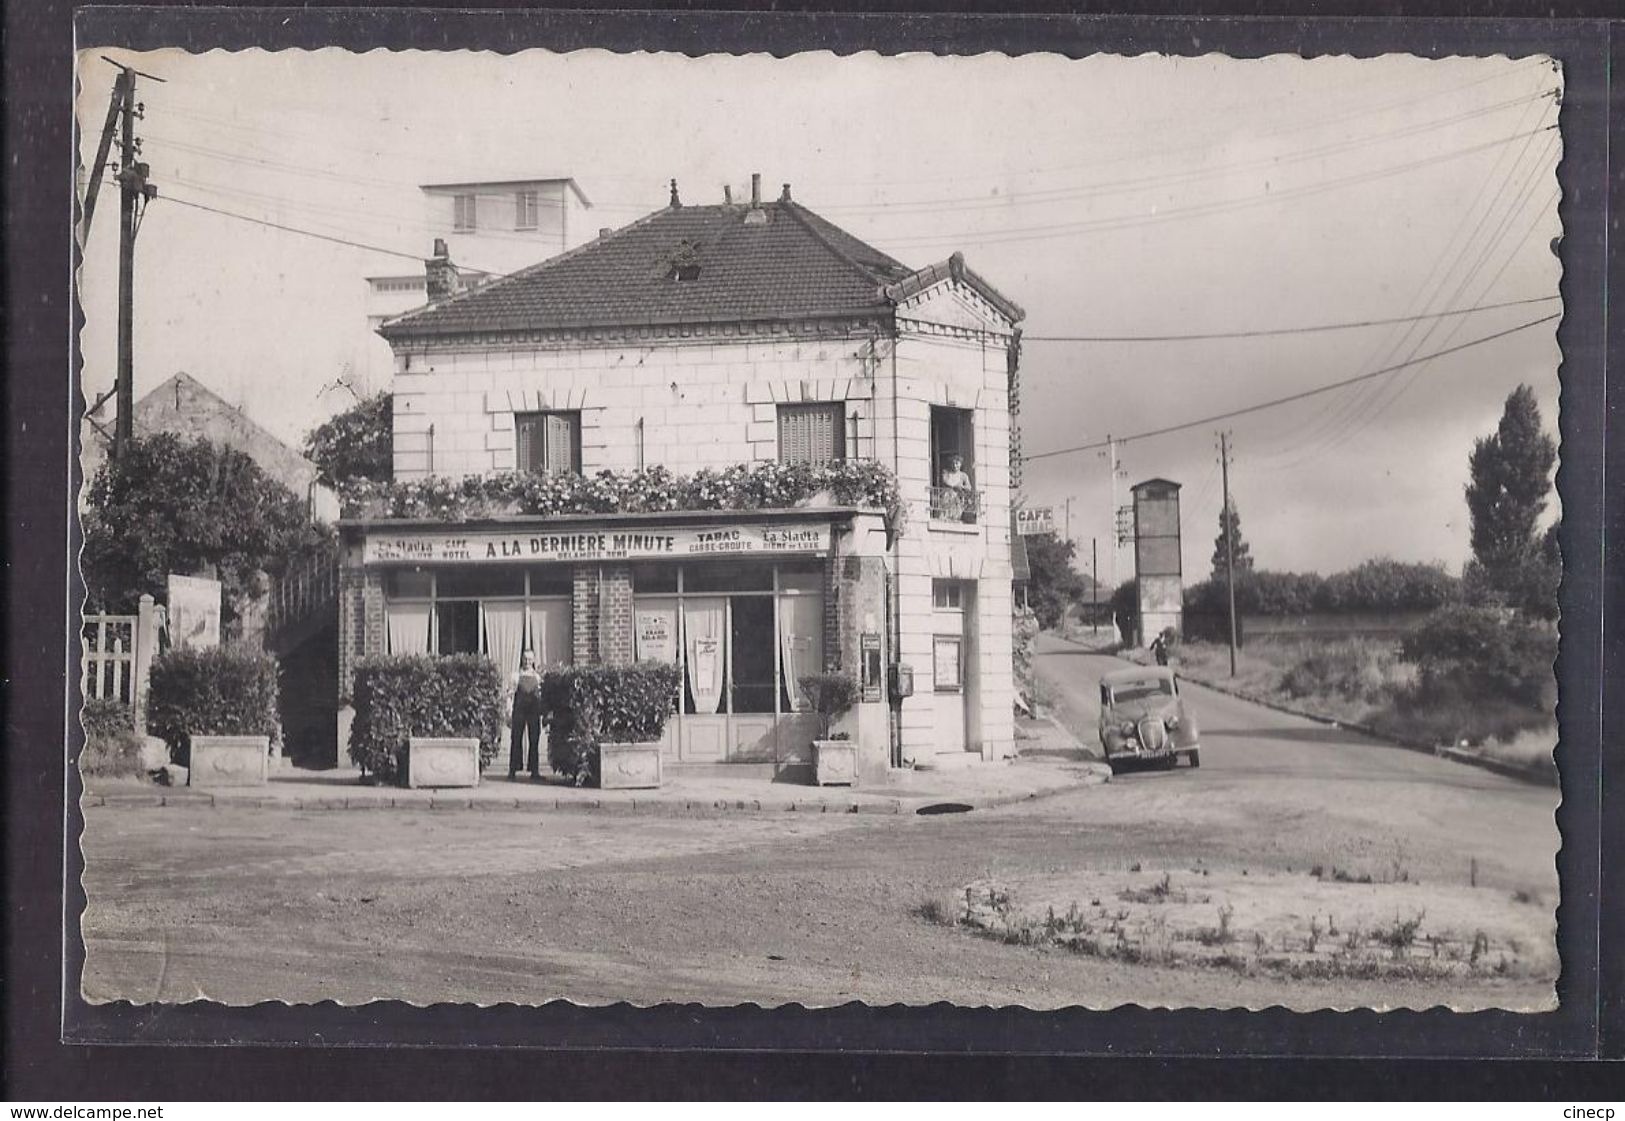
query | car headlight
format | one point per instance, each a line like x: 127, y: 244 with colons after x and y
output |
x: 1172, y: 722
x: 1128, y: 728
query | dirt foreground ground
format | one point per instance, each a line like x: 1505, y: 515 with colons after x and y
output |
x: 1300, y: 865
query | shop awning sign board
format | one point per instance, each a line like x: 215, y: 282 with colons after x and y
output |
x: 518, y: 546
x: 1038, y: 519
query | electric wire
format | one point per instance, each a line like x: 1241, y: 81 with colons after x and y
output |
x: 1278, y: 401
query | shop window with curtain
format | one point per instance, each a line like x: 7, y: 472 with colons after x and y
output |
x: 813, y: 433
x: 548, y: 443
x: 499, y: 611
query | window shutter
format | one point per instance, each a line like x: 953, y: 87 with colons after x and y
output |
x: 559, y: 444
x: 812, y: 433
x: 795, y: 445
x: 525, y: 432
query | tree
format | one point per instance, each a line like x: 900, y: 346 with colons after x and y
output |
x: 1230, y: 518
x: 357, y: 443
x: 1055, y: 583
x: 1509, y: 480
x: 166, y: 505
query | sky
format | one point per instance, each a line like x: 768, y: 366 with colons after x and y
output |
x: 1143, y: 197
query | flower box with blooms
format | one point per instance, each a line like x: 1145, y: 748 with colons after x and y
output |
x: 754, y: 486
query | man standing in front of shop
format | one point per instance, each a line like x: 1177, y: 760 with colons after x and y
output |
x: 527, y: 717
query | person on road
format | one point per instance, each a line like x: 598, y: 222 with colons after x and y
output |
x: 527, y: 717
x: 1159, y: 648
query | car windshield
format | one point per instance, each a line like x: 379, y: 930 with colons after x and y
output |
x: 1142, y: 691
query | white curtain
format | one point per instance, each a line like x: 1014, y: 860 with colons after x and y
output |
x: 550, y: 632
x: 504, y: 635
x: 704, y: 620
x: 409, y: 628
x: 801, y: 643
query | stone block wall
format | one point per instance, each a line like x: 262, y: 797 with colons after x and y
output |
x: 686, y: 404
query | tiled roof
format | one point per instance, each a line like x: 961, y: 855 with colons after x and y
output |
x: 796, y: 265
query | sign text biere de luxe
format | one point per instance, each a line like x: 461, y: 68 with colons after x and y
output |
x: 653, y: 543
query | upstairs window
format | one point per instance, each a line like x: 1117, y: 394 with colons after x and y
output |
x: 953, y: 492
x: 548, y: 443
x: 463, y: 218
x: 524, y: 210
x: 812, y: 433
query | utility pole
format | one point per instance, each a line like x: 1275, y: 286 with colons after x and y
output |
x: 1069, y: 519
x: 1229, y: 544
x: 1111, y: 455
x: 1094, y: 585
x: 134, y: 193
x: 93, y: 174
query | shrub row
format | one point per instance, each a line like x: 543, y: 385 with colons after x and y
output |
x: 589, y: 705
x: 1375, y: 586
x: 400, y: 696
x: 224, y: 691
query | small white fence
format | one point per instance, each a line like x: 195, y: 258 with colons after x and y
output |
x: 108, y: 666
x: 116, y: 653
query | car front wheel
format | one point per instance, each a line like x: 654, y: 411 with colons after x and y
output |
x: 1195, y: 757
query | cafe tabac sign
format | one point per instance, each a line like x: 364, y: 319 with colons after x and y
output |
x: 650, y: 543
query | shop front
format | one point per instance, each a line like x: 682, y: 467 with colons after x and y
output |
x: 745, y: 605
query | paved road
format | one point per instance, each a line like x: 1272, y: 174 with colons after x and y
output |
x: 249, y: 904
x: 1293, y: 785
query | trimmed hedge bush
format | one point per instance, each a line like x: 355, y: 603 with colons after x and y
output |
x: 225, y: 691
x: 404, y: 695
x: 588, y: 705
x: 831, y: 696
x: 112, y: 747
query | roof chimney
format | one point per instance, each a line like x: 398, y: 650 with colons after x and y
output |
x: 675, y: 201
x: 727, y: 195
x: 441, y: 278
x: 755, y: 216
x: 785, y: 195
x: 605, y: 231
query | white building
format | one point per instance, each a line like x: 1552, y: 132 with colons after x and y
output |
x: 710, y: 336
x: 488, y: 229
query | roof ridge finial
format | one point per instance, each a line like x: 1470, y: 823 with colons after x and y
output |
x: 675, y: 201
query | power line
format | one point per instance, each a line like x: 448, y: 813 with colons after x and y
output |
x: 292, y: 229
x: 1292, y: 397
x: 1270, y: 331
x: 1146, y: 182
x: 1335, y: 418
x: 1130, y: 221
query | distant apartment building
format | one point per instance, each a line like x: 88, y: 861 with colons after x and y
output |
x: 486, y: 229
x: 705, y: 337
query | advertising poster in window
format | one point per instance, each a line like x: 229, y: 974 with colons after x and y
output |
x: 702, y: 625
x: 655, y: 632
x: 194, y: 612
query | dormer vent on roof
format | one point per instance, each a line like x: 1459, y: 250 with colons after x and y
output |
x: 683, y: 263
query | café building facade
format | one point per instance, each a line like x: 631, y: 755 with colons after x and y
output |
x: 707, y: 337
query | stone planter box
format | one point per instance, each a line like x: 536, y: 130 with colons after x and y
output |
x: 628, y: 766
x: 835, y: 762
x: 229, y: 761
x: 442, y: 762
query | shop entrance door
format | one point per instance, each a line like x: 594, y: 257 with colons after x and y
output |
x: 949, y: 659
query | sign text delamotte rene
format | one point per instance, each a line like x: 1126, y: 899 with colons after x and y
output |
x: 654, y: 543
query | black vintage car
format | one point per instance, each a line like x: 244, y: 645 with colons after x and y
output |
x: 1143, y: 719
